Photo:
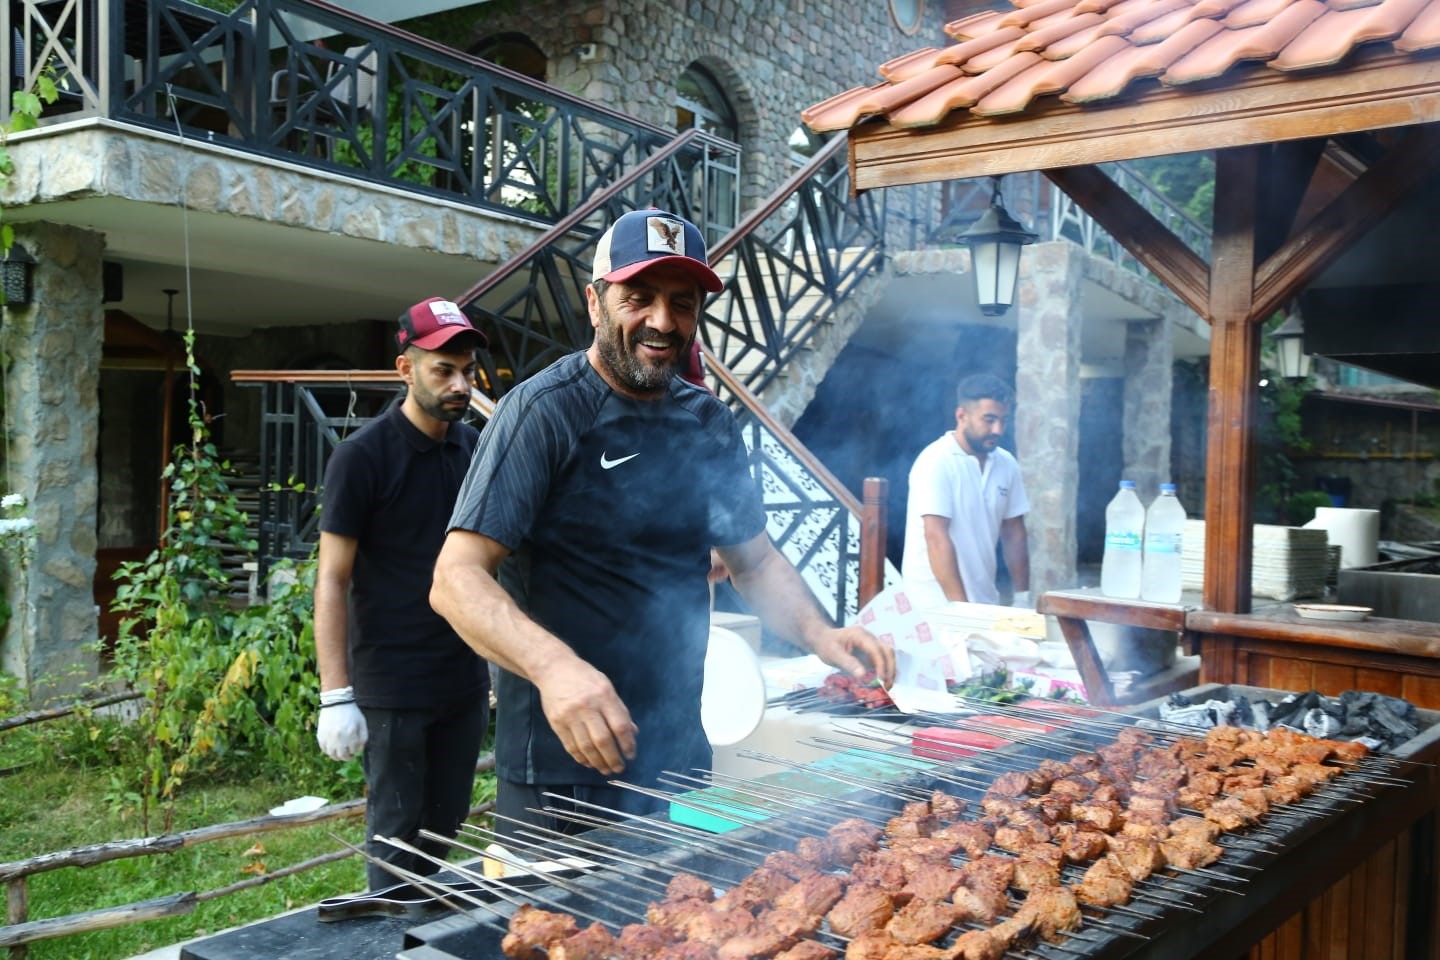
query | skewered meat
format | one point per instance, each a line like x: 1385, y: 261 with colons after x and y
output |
x: 1050, y: 911
x: 759, y: 888
x: 979, y: 945
x: 1287, y: 789
x: 947, y: 808
x: 1231, y: 813
x: 592, y: 943
x: 673, y: 914
x: 1015, y: 835
x: 863, y: 909
x: 640, y: 940
x: 761, y: 941
x: 869, y: 946
x: 933, y: 881
x: 921, y: 921
x: 1104, y: 816
x: 1189, y: 852
x: 685, y: 886
x: 851, y: 837
x: 989, y: 872
x: 921, y: 826
x: 1140, y: 856
x: 972, y: 837
x: 1013, y: 784
x: 682, y: 950
x: 807, y: 950
x: 881, y: 869
x: 814, y: 894
x: 979, y: 904
x: 1037, y: 866
x: 1079, y: 844
x: 793, y: 923
x: 532, y: 929
x: 1105, y: 884
x: 1194, y: 826
x: 715, y: 927
x: 923, y: 850
x: 788, y: 863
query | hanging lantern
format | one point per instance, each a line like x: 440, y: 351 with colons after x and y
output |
x: 995, y: 241
x: 1290, y: 352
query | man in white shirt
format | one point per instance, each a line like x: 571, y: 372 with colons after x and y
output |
x: 965, y: 496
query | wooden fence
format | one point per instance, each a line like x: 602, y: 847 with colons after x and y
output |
x: 20, y: 930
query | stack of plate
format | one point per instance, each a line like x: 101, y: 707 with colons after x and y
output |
x: 1287, y: 562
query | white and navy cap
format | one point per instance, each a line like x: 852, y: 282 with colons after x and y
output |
x: 642, y: 238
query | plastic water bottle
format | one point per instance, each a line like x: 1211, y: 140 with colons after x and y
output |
x: 1124, y: 531
x: 1164, y: 525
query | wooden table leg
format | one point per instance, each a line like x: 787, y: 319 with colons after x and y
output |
x: 1098, y: 689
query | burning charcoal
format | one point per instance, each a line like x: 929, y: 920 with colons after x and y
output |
x: 1318, y: 723
x: 1386, y: 723
x: 1244, y: 712
x: 1261, y: 711
x: 1285, y: 709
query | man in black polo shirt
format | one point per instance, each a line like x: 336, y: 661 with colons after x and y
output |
x: 602, y: 483
x: 395, y: 680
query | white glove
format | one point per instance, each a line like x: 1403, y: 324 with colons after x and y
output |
x: 1022, y: 599
x: 341, y: 732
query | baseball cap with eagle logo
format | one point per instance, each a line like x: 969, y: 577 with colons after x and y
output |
x: 643, y: 238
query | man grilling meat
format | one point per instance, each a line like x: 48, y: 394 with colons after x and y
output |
x: 595, y: 496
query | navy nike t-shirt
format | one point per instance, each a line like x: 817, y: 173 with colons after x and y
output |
x: 610, y: 506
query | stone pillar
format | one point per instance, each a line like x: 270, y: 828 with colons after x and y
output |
x: 53, y: 414
x: 1149, y: 357
x: 1047, y: 406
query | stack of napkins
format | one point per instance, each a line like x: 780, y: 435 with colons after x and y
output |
x: 1287, y: 563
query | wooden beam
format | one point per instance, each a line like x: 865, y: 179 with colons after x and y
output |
x: 1374, y: 90
x: 1347, y: 218
x: 1289, y: 173
x: 873, y: 535
x: 1137, y: 230
x: 1234, y: 373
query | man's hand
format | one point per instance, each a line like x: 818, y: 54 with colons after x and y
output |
x: 341, y: 732
x: 843, y: 646
x: 586, y: 713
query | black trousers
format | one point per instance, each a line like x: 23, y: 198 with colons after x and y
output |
x: 419, y: 773
x: 524, y: 802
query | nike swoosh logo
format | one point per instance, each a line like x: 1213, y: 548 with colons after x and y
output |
x: 607, y: 464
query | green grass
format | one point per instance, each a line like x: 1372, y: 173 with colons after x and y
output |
x: 48, y: 803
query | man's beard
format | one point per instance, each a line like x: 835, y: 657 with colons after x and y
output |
x: 618, y: 356
x: 434, y: 406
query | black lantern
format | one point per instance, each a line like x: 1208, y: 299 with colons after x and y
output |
x: 1290, y: 352
x: 17, y: 273
x: 995, y: 241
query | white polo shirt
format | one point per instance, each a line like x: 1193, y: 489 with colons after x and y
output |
x: 945, y: 481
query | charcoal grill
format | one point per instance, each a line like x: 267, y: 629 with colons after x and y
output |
x: 1216, y: 913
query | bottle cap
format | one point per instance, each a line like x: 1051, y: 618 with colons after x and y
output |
x: 1127, y: 484
x: 1167, y: 488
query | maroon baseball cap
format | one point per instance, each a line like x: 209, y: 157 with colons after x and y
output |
x: 432, y: 323
x: 642, y: 238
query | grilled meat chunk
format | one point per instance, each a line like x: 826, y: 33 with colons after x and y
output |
x: 921, y: 921
x: 592, y: 943
x: 979, y: 904
x: 947, y: 808
x: 1013, y: 784
x: 716, y: 927
x: 641, y: 940
x: 851, y: 837
x: 1140, y: 856
x: 972, y: 837
x: 532, y: 930
x: 758, y: 889
x: 979, y: 945
x: 1038, y: 866
x: 1050, y: 911
x: 1189, y: 852
x: 1231, y: 813
x: 863, y: 909
x: 870, y: 946
x: 1080, y: 844
x: 814, y: 894
x: 807, y: 950
x: 933, y: 881
x: 1105, y: 884
x: 687, y: 886
x: 762, y: 940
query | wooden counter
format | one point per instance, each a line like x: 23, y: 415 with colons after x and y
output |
x: 1388, y: 906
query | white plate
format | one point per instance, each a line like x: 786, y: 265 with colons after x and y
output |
x: 1332, y: 611
x: 732, y: 701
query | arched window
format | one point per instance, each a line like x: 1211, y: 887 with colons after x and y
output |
x: 513, y: 51
x: 907, y: 14
x: 700, y: 102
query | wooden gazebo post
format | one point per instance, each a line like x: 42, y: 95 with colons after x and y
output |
x: 1234, y: 375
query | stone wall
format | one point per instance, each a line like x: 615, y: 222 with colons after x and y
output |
x: 1047, y: 407
x: 772, y: 60
x: 52, y: 406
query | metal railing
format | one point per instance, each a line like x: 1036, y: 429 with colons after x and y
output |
x: 307, y: 82
x: 1067, y: 221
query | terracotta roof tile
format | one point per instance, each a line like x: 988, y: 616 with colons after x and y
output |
x: 1091, y: 51
x: 1230, y: 47
x: 1423, y: 32
x: 1329, y: 38
x: 1047, y: 76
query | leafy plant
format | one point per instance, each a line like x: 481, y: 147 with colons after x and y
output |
x: 219, y: 682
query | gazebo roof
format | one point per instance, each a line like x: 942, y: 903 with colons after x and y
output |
x: 1082, y: 81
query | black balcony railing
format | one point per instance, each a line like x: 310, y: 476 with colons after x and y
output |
x: 307, y: 82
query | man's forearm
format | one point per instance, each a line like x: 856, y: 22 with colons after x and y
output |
x: 331, y: 625
x: 491, y: 623
x: 778, y: 595
x: 1015, y: 545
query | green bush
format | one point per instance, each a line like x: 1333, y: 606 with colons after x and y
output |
x: 1300, y: 508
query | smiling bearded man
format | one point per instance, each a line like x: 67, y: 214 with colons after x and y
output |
x: 595, y: 496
